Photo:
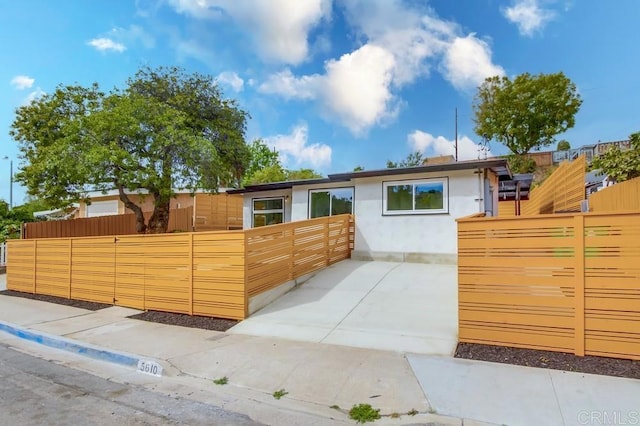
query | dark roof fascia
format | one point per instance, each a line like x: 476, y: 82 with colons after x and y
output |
x: 497, y: 165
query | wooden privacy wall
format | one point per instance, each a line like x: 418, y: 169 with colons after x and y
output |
x: 562, y: 283
x: 508, y: 208
x: 125, y: 224
x: 208, y: 273
x: 624, y: 196
x: 563, y: 191
x: 279, y: 253
x: 217, y: 212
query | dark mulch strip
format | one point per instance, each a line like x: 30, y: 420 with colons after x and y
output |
x: 547, y: 359
x: 91, y: 306
x: 193, y: 321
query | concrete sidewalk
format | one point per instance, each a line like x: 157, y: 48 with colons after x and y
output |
x: 316, y: 376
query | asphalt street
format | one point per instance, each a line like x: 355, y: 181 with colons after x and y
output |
x: 34, y: 391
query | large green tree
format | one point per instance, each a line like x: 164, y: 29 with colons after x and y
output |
x: 620, y: 165
x: 527, y: 112
x: 166, y: 130
x: 264, y: 164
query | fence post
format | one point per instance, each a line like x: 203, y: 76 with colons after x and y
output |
x: 190, y: 276
x: 579, y: 254
x: 292, y: 251
x: 70, y: 264
x: 35, y: 263
x: 327, y: 235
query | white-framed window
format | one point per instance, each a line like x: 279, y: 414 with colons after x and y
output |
x: 267, y: 211
x: 330, y: 202
x: 424, y: 196
x: 102, y: 208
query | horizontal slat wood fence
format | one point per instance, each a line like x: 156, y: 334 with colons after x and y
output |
x: 124, y: 224
x: 568, y: 283
x: 208, y: 273
x: 623, y: 196
x: 218, y: 212
x: 508, y: 208
x: 563, y: 191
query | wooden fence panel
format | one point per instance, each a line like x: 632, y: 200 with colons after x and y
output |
x: 209, y: 273
x: 21, y: 260
x: 167, y: 263
x: 612, y: 285
x: 219, y: 274
x: 624, y: 196
x: 54, y: 271
x: 124, y: 224
x: 563, y: 191
x: 218, y: 212
x: 554, y: 282
x: 515, y: 281
x: 93, y: 269
x: 279, y: 253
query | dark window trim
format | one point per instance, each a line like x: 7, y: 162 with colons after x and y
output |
x: 353, y: 203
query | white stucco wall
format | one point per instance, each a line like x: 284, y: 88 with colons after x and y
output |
x: 434, y: 234
x: 247, y: 204
x: 422, y: 238
x: 403, y: 237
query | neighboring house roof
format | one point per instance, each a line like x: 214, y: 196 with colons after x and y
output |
x: 498, y: 165
x: 57, y: 214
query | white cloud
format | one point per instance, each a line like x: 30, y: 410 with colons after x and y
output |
x: 400, y: 43
x: 288, y: 86
x: 354, y: 90
x: 278, y: 28
x: 22, y: 82
x: 232, y: 80
x: 528, y: 16
x: 467, y: 62
x: 296, y: 152
x: 104, y: 44
x: 431, y: 146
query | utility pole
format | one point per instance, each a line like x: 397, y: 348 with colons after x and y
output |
x: 456, y: 134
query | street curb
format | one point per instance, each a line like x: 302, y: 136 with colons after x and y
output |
x: 69, y: 345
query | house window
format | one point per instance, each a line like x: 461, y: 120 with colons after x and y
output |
x: 268, y: 211
x: 330, y: 202
x: 426, y: 196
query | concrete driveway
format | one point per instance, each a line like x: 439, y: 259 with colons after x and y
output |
x: 406, y: 307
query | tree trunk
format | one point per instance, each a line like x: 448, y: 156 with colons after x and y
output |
x: 141, y: 228
x: 159, y: 221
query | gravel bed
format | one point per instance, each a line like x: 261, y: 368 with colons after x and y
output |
x: 91, y: 306
x: 193, y: 321
x: 547, y: 359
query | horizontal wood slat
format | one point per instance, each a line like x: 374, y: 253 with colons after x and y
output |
x: 528, y: 282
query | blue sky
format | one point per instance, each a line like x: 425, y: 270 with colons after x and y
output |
x: 333, y: 84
